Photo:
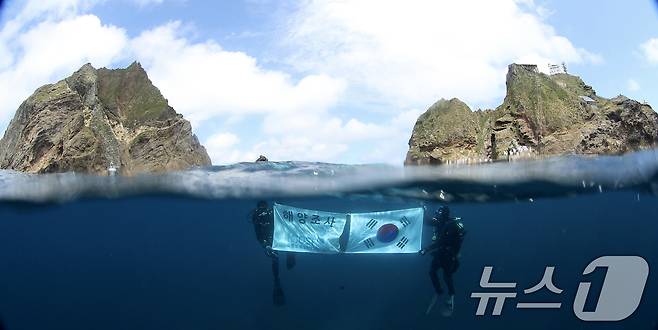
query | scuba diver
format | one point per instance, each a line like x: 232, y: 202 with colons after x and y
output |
x: 447, y: 240
x: 263, y: 220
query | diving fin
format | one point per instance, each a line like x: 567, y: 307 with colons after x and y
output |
x: 278, y: 298
x: 432, y: 303
x: 449, y: 307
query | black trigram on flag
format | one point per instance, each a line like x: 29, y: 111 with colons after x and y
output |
x: 403, y: 242
x: 371, y: 224
x: 405, y: 222
x: 369, y: 243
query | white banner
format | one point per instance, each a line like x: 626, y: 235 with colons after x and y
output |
x: 302, y: 230
x: 399, y: 231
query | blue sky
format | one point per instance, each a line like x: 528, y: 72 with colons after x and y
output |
x: 334, y: 81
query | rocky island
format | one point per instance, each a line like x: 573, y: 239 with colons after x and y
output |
x: 541, y: 115
x: 100, y: 119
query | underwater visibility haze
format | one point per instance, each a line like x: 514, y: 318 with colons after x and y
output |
x: 178, y: 250
x: 526, y: 196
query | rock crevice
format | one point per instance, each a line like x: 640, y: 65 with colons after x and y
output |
x: 541, y: 115
x: 96, y: 119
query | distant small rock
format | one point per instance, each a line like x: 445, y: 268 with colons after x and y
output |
x: 262, y: 158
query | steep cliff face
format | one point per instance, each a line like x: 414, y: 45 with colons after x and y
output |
x: 95, y: 119
x: 541, y: 115
x: 448, y: 130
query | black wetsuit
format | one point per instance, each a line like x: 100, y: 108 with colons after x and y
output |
x: 445, y: 251
x: 263, y: 220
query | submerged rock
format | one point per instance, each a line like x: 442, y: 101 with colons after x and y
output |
x: 542, y: 115
x: 98, y: 119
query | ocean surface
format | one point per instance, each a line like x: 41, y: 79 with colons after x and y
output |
x: 178, y: 251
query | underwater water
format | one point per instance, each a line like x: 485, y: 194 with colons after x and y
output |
x: 178, y: 251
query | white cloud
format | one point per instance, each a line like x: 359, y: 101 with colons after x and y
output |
x: 650, y: 50
x: 391, y: 146
x: 403, y: 57
x: 66, y: 44
x: 222, y: 141
x: 301, y: 148
x: 412, y: 55
x: 322, y: 137
x: 359, y: 52
x: 222, y: 149
x: 51, y: 50
x: 202, y: 80
x: 143, y: 3
x: 50, y: 9
x: 633, y: 85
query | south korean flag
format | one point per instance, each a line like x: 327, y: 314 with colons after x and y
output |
x: 398, y: 231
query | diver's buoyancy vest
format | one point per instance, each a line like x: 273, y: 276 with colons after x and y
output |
x: 452, y: 233
x: 263, y: 225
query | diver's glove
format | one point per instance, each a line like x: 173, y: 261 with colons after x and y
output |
x: 270, y: 252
